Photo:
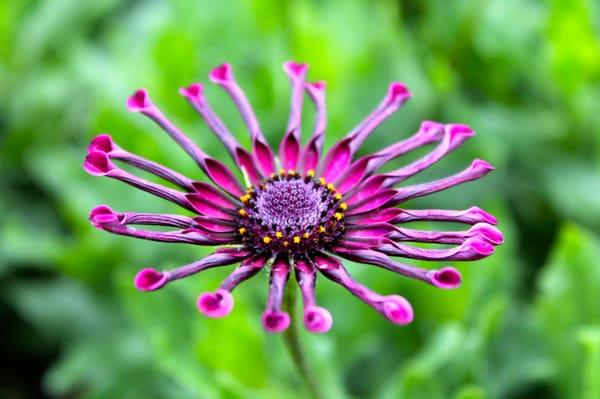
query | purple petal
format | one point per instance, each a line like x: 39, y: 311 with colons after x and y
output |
x: 454, y: 135
x: 481, y: 230
x: 215, y: 305
x: 477, y: 170
x: 397, y: 95
x: 297, y: 74
x: 471, y: 249
x: 316, y: 319
x: 274, y: 319
x: 379, y: 259
x: 246, y: 270
x: 194, y: 93
x: 395, y: 308
x: 140, y: 102
x: 223, y: 76
x: 472, y: 215
x: 103, y: 143
x: 312, y: 151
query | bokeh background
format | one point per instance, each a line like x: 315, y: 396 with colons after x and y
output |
x: 524, y: 74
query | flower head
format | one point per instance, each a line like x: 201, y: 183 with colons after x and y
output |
x: 302, y: 212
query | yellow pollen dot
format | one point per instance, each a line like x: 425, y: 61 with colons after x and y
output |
x: 272, y: 175
x: 343, y: 206
x: 242, y: 230
x: 338, y: 215
x: 322, y: 181
x: 338, y: 196
x: 245, y: 198
x: 330, y: 187
x: 306, y: 235
x: 296, y: 240
x: 291, y: 172
x: 310, y: 172
x: 243, y: 212
x: 266, y: 239
x: 322, y: 229
x: 278, y: 234
x: 282, y: 171
x: 285, y: 243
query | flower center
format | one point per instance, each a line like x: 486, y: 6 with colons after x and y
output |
x: 291, y: 212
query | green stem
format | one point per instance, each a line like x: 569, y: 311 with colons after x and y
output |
x: 292, y: 340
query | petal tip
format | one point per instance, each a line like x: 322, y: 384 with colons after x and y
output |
x: 221, y: 73
x: 487, y: 217
x: 150, y: 279
x: 102, y: 143
x: 398, y: 310
x: 317, y: 319
x: 398, y: 92
x: 215, y: 304
x: 139, y: 101
x: 275, y: 321
x: 447, y: 278
x: 294, y: 68
x: 193, y: 91
x: 482, y: 166
x: 102, y: 214
x: 488, y: 232
x: 97, y: 163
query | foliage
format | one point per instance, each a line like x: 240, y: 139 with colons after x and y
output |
x: 524, y: 74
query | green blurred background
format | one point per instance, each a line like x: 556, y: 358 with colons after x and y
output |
x: 524, y: 74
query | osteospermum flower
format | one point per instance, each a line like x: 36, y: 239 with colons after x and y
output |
x: 300, y: 212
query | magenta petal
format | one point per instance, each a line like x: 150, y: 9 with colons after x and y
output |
x: 215, y: 225
x: 354, y: 175
x: 398, y: 310
x: 447, y: 278
x: 311, y: 155
x: 222, y: 176
x: 97, y: 163
x: 369, y: 231
x: 379, y: 216
x: 337, y: 160
x: 206, y: 207
x: 150, y: 279
x: 139, y: 101
x: 317, y: 319
x: 264, y: 157
x: 373, y: 202
x: 248, y: 165
x: 275, y: 321
x: 102, y: 143
x: 215, y: 305
x: 289, y: 151
x: 369, y: 187
x: 211, y: 194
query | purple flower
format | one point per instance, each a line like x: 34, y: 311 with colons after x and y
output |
x: 300, y: 212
